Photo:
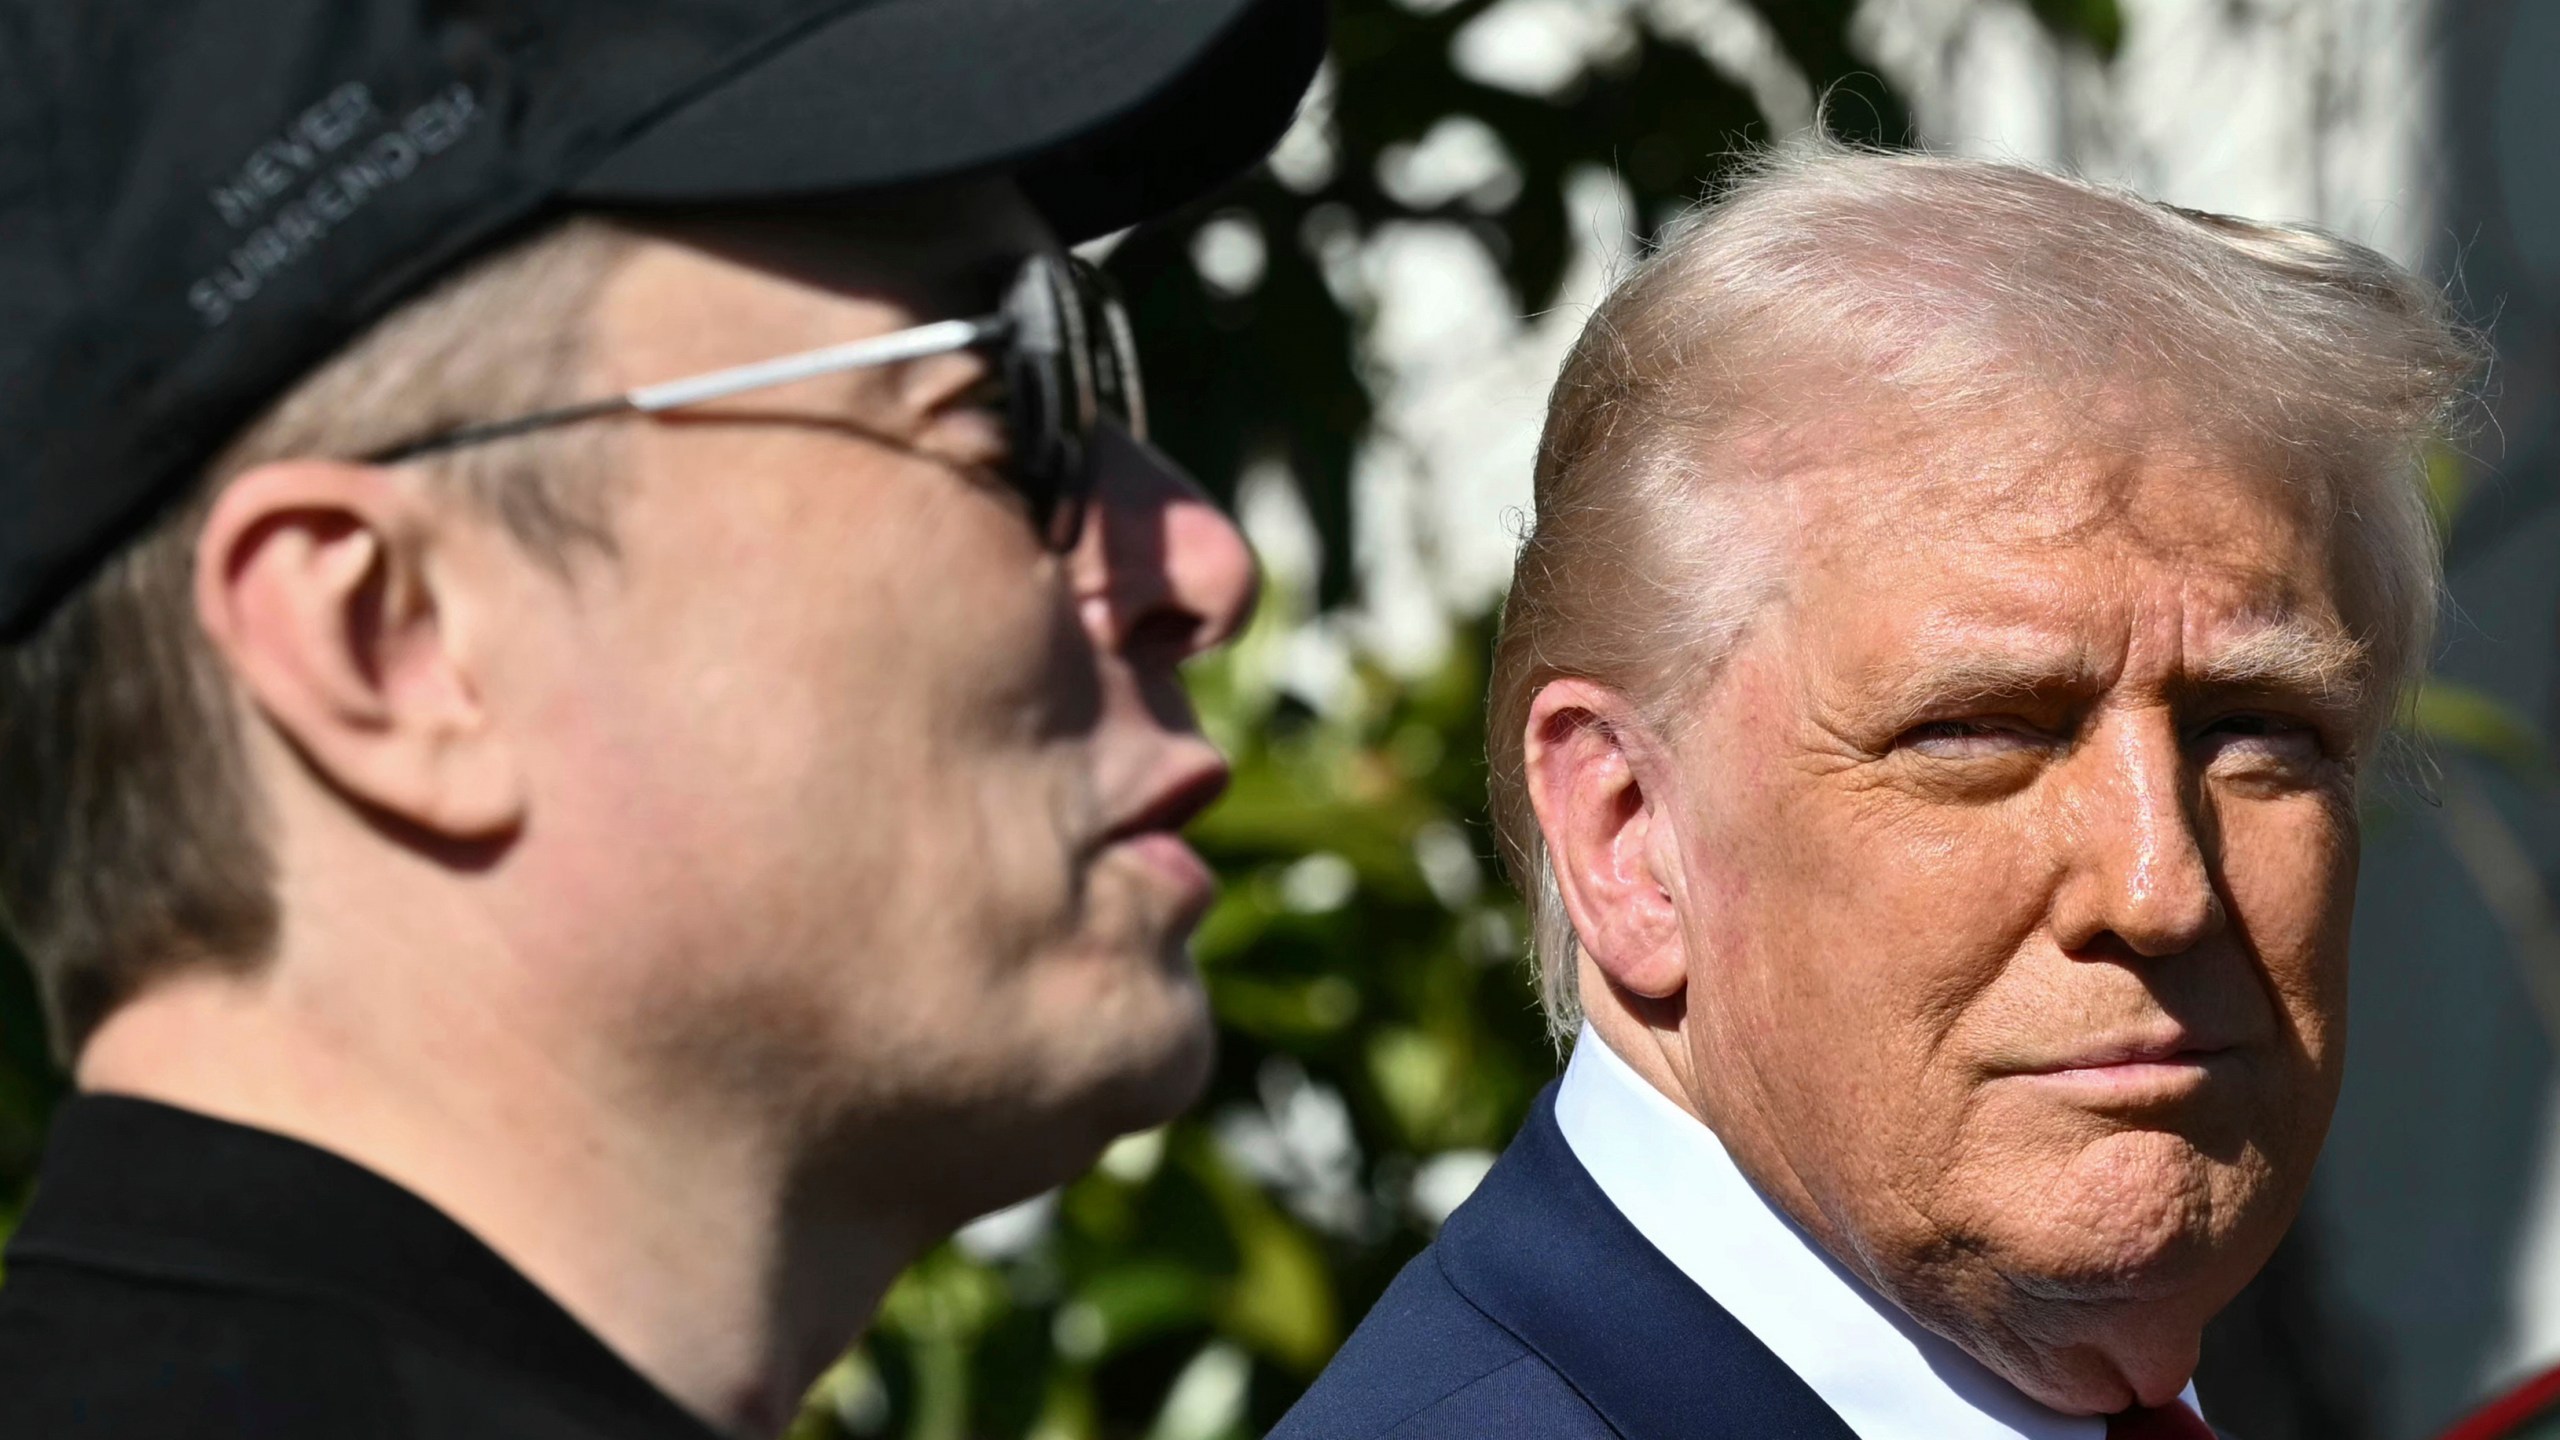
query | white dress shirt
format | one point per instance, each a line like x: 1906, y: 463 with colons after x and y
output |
x: 1876, y: 1367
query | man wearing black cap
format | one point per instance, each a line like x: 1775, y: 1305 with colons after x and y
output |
x: 589, y: 727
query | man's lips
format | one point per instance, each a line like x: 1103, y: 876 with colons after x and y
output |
x: 1152, y: 833
x: 1174, y: 800
x: 1173, y: 860
x: 2136, y: 1069
x: 2116, y: 1053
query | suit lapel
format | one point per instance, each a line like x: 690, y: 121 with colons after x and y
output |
x: 1545, y: 1255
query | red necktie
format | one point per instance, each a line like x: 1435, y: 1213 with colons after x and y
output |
x: 2173, y: 1421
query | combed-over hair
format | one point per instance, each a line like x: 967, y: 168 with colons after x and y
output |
x: 1944, y: 291
x: 133, y: 841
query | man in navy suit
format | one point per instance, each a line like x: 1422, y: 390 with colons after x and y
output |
x: 1928, y: 725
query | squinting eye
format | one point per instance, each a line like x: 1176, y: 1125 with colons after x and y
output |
x: 1962, y: 739
x: 2259, y: 726
x: 2263, y: 738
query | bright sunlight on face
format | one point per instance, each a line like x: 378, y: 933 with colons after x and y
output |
x: 2017, y: 846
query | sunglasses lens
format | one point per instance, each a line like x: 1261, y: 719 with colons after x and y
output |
x: 1113, y: 347
x: 1040, y: 386
x: 1072, y: 362
x: 1031, y: 414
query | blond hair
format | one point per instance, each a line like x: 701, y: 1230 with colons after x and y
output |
x: 1946, y: 291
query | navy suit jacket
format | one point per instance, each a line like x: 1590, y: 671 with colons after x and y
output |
x: 1541, y: 1314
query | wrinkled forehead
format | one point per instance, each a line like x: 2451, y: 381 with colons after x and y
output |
x: 2056, y: 482
x: 2129, y: 466
x: 2108, y: 544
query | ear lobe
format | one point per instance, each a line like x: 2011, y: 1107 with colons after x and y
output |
x: 312, y: 584
x: 1604, y: 833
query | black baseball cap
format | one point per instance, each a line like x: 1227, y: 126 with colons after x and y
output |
x: 200, y: 200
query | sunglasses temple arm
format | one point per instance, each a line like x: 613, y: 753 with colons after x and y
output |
x: 940, y: 338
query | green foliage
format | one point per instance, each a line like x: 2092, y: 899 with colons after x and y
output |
x: 2466, y: 733
x: 1362, y: 962
x: 2459, y: 717
x: 2098, y: 22
x: 1379, y: 1037
x: 2447, y: 717
x: 1271, y: 371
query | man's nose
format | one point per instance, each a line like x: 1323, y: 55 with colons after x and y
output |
x: 1163, y: 574
x: 2136, y: 864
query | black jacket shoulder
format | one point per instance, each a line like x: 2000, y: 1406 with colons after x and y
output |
x: 86, y: 1355
x: 178, y: 1275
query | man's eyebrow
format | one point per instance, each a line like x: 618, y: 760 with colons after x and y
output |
x: 2291, y: 656
x: 2288, y: 656
x: 1966, y: 676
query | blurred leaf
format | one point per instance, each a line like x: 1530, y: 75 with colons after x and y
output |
x: 2448, y: 713
x: 1207, y: 1399
x: 1280, y: 1302
x: 1287, y: 1009
x: 2448, y: 485
x: 2510, y: 884
x: 1417, y: 1076
x: 1274, y: 370
x: 939, y: 1309
x: 1068, y: 1410
x: 1126, y: 1302
x: 1405, y: 1003
x: 2098, y: 22
x: 944, y: 1296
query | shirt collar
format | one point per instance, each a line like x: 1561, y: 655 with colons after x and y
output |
x: 1540, y: 1252
x: 139, y: 1188
x: 1881, y: 1371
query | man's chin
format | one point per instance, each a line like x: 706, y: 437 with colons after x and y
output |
x: 2129, y: 1247
x: 1160, y: 1076
x: 1128, y: 1057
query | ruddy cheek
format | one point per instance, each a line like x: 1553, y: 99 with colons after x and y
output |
x: 2289, y: 877
x: 1949, y: 914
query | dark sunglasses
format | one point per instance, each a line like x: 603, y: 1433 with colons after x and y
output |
x: 1063, y: 351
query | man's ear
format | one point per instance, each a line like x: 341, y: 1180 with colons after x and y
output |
x: 1607, y: 835
x: 314, y: 584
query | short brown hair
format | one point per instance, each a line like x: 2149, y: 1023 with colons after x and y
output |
x: 134, y: 843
